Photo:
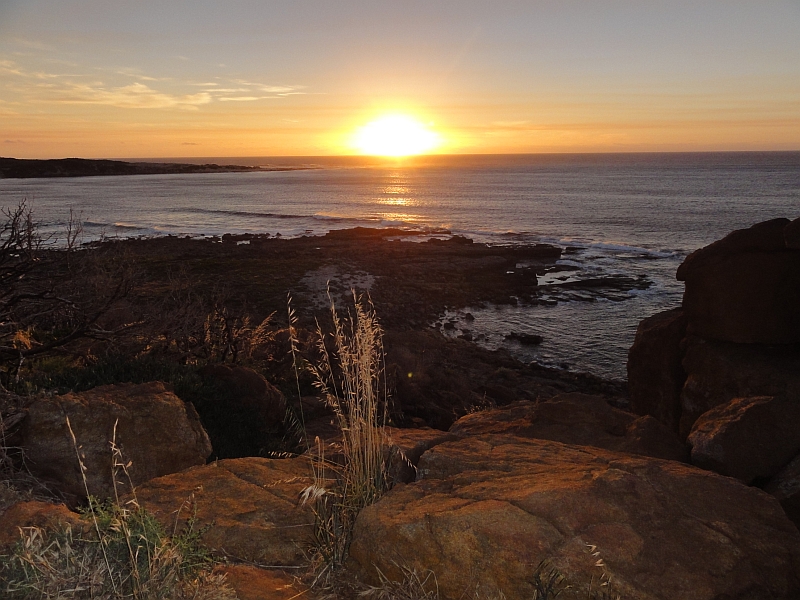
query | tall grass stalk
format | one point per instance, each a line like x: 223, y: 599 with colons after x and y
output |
x: 351, y: 378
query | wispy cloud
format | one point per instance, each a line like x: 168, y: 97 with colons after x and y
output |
x: 131, y: 88
x: 135, y: 95
x: 244, y: 98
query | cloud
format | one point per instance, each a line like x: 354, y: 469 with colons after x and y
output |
x: 131, y: 88
x: 13, y: 141
x: 135, y: 95
x: 189, y: 144
x: 243, y: 98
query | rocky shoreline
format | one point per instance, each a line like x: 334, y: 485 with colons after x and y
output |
x: 683, y: 486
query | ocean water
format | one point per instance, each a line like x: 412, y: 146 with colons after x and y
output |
x: 636, y: 215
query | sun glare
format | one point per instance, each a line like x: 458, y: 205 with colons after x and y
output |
x: 395, y: 135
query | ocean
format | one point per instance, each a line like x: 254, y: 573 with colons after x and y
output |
x: 634, y: 215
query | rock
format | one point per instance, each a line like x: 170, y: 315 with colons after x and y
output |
x: 747, y: 438
x: 578, y: 419
x: 718, y: 372
x: 526, y: 339
x: 250, y: 506
x: 246, y: 415
x: 785, y: 486
x: 155, y: 430
x: 488, y: 509
x: 34, y: 513
x: 251, y: 583
x: 745, y: 288
x: 655, y: 373
x: 406, y: 448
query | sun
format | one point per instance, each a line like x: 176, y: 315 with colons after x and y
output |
x: 395, y: 135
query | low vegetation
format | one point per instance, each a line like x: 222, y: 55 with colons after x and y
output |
x: 122, y: 553
x: 118, y: 551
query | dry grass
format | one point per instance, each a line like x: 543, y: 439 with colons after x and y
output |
x: 128, y: 556
x: 414, y: 586
x: 121, y: 553
x: 350, y: 377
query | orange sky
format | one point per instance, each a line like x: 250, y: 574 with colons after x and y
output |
x: 248, y: 78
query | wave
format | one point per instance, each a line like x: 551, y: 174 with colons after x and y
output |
x: 123, y: 225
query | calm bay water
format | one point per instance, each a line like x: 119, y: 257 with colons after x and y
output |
x: 627, y: 214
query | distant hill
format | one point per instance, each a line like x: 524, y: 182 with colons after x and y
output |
x: 82, y: 167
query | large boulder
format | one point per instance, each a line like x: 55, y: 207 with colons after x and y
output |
x: 655, y: 372
x: 247, y: 508
x: 155, y: 430
x: 745, y: 288
x: 747, y: 438
x: 489, y: 509
x: 246, y: 415
x: 579, y: 419
x: 785, y: 486
x: 718, y: 372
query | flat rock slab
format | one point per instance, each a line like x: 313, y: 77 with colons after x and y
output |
x: 252, y: 583
x: 579, y: 419
x: 488, y: 509
x: 250, y: 507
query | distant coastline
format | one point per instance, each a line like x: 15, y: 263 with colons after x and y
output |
x: 17, y: 168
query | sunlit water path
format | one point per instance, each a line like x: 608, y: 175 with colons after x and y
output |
x: 621, y: 214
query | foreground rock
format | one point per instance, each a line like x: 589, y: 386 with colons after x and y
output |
x: 155, y: 430
x: 745, y: 288
x: 488, y: 509
x: 578, y: 419
x: 747, y: 438
x: 249, y: 507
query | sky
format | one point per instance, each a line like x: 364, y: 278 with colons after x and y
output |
x: 181, y: 78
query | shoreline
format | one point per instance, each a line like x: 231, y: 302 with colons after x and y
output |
x: 411, y: 284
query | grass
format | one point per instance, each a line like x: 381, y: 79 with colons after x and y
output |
x: 548, y: 583
x: 121, y: 552
x: 127, y: 555
x: 350, y: 377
